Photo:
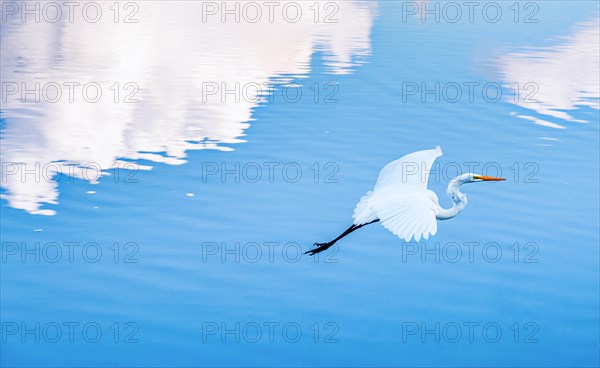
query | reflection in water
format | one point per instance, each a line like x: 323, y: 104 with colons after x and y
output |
x: 563, y: 77
x: 176, y: 59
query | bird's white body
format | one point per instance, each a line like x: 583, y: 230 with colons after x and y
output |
x: 402, y: 202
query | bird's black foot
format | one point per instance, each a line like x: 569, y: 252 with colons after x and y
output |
x: 319, y: 248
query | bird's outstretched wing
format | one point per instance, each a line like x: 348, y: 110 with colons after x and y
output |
x: 400, y: 198
x: 409, y: 172
x: 407, y: 215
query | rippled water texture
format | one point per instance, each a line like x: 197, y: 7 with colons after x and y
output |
x: 169, y: 210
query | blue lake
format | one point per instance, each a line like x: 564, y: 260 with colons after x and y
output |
x: 162, y: 221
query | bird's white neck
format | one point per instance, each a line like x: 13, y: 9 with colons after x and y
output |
x: 459, y: 199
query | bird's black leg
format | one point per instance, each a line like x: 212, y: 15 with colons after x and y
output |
x: 324, y: 246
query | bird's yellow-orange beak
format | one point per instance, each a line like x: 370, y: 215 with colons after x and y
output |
x: 487, y: 178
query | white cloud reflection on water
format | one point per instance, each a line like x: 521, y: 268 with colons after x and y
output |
x: 169, y: 54
x: 567, y: 76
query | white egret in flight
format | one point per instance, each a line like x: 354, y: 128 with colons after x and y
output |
x: 402, y: 202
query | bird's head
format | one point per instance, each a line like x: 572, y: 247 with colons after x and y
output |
x: 458, y: 196
x: 475, y: 178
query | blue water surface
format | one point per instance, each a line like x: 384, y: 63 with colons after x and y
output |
x: 201, y: 242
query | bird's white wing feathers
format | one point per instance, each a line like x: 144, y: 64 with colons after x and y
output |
x: 363, y: 213
x: 407, y: 215
x: 408, y: 172
x: 401, y: 199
